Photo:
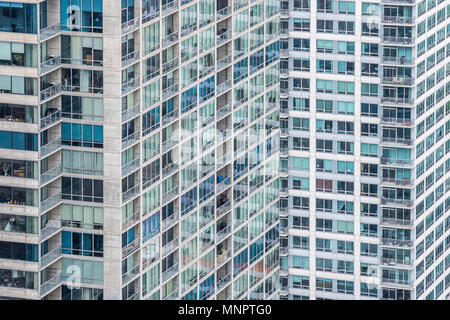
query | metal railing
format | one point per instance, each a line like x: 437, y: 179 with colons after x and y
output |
x: 52, y: 227
x: 50, y: 91
x: 50, y: 174
x: 50, y: 202
x: 50, y: 119
x: 50, y: 285
x: 130, y: 58
x: 49, y: 31
x: 168, y: 247
x: 130, y: 25
x: 130, y: 112
x: 130, y: 193
x: 130, y: 166
x: 223, y: 37
x: 224, y: 12
x: 128, y: 221
x: 130, y: 274
x: 169, y: 221
x: 50, y: 257
x: 130, y: 139
x: 169, y: 272
x: 50, y: 64
x: 130, y: 247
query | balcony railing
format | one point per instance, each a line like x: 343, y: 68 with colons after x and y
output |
x: 222, y: 234
x: 170, y: 91
x: 51, y: 228
x: 401, y: 141
x: 395, y: 262
x: 129, y: 221
x: 399, y: 121
x: 169, y: 221
x: 51, y: 91
x: 130, y: 193
x: 396, y: 242
x: 223, y: 86
x: 130, y: 166
x: 50, y: 285
x: 170, y: 168
x: 130, y: 274
x: 223, y: 208
x: 224, y: 257
x: 50, y: 257
x: 50, y: 64
x: 223, y: 111
x: 130, y: 247
x: 169, y: 39
x: 223, y: 62
x: 130, y: 139
x: 169, y: 7
x: 50, y: 202
x: 49, y: 31
x: 130, y: 25
x: 400, y: 40
x: 397, y: 60
x: 50, y: 119
x: 396, y: 222
x: 405, y: 81
x: 397, y: 182
x: 130, y: 112
x: 50, y: 174
x: 397, y: 19
x: 223, y: 13
x: 168, y: 247
x: 169, y: 65
x: 397, y: 100
x: 385, y: 160
x: 172, y: 296
x: 399, y: 202
x: 223, y: 37
x: 169, y: 272
x: 130, y: 58
x: 130, y: 85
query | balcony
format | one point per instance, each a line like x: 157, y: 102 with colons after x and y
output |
x: 130, y: 193
x: 130, y: 25
x: 398, y: 121
x: 172, y: 296
x: 396, y: 222
x: 50, y: 174
x: 169, y: 143
x: 169, y: 7
x: 130, y: 247
x: 398, y: 40
x: 130, y: 112
x: 53, y: 90
x: 223, y: 111
x: 168, y: 247
x: 169, y: 117
x: 401, y: 141
x: 50, y: 64
x: 397, y: 60
x: 130, y: 274
x: 130, y: 139
x: 396, y: 242
x: 222, y: 185
x: 50, y: 257
x: 223, y: 160
x: 169, y: 65
x: 395, y: 262
x: 169, y: 221
x: 223, y: 208
x: 50, y: 119
x: 393, y: 161
x: 130, y: 166
x: 169, y: 91
x: 221, y: 258
x: 399, y: 1
x: 50, y: 285
x: 169, y: 169
x: 223, y: 37
x: 129, y: 221
x: 397, y: 202
x: 130, y: 58
x: 397, y: 182
x: 402, y: 282
x: 51, y: 228
x: 50, y: 202
x: 404, y: 81
x: 223, y: 86
x: 169, y: 39
x: 49, y: 31
x: 223, y: 13
x: 397, y: 20
x: 170, y: 272
x: 222, y: 234
x: 149, y: 15
x: 224, y: 135
x: 397, y: 100
x: 130, y: 85
x: 223, y: 62
x: 185, y: 30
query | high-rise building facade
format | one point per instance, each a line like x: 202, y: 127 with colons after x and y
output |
x: 139, y: 149
x: 365, y: 149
